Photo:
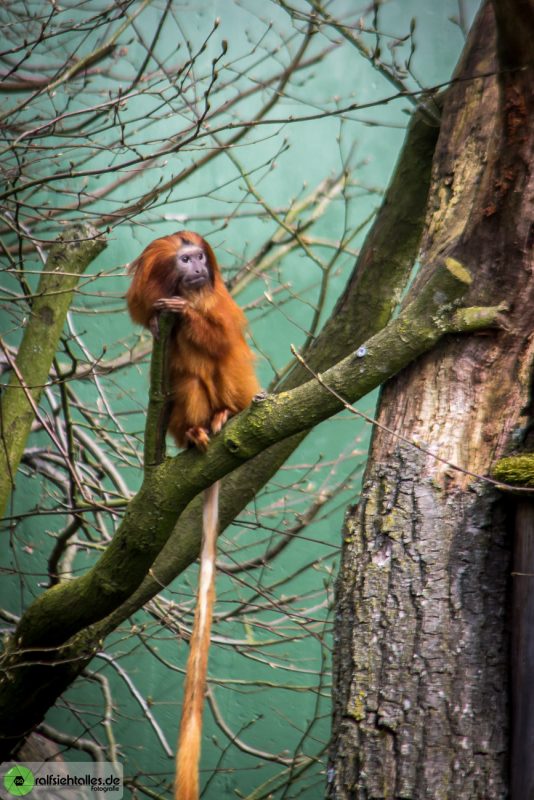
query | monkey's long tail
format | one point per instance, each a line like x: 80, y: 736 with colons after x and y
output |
x: 189, y: 739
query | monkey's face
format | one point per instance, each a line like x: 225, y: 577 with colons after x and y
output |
x: 193, y: 267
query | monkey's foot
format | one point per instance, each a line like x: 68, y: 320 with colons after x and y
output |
x: 174, y: 304
x: 219, y: 419
x: 198, y: 436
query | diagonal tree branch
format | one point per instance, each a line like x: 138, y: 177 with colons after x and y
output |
x: 41, y: 640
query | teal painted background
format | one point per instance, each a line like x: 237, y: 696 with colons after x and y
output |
x: 269, y: 666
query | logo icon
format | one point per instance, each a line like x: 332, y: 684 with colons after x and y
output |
x: 19, y: 781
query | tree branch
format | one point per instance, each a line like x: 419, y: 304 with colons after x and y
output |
x: 158, y: 398
x: 67, y: 608
x: 68, y: 259
x: 169, y: 487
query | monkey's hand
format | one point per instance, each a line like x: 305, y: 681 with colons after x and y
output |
x: 176, y: 305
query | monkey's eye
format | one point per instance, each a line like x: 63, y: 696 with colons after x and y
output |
x: 185, y: 259
x: 201, y: 256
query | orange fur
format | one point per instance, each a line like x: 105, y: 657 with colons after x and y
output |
x: 189, y: 738
x: 211, y: 366
x: 211, y: 377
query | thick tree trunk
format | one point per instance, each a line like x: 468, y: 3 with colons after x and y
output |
x: 422, y: 645
x: 522, y: 693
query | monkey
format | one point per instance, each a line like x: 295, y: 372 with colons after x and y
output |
x: 211, y: 378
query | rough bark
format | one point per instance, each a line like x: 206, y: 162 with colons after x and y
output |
x: 522, y: 662
x: 422, y: 645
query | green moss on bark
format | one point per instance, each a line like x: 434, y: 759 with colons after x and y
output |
x: 518, y: 470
